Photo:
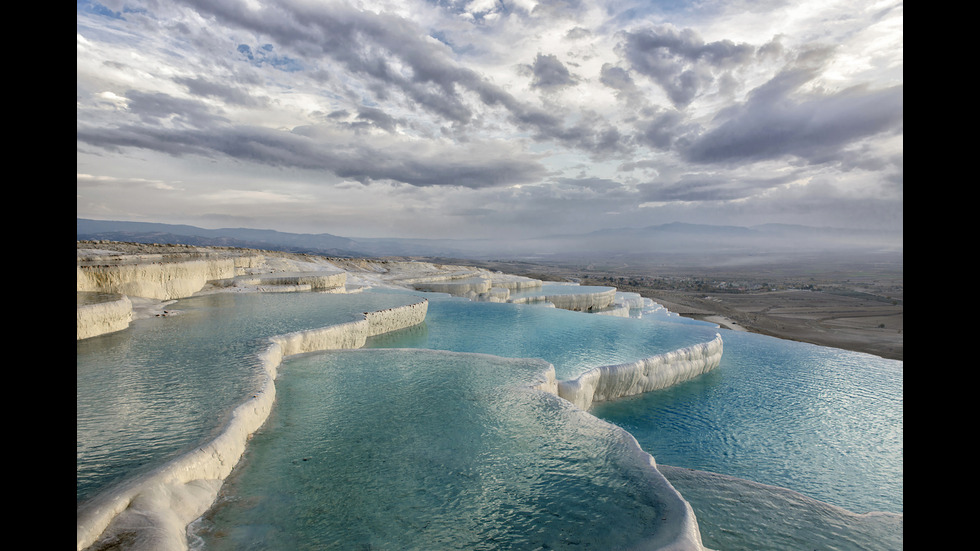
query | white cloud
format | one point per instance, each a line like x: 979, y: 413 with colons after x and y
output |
x: 516, y: 115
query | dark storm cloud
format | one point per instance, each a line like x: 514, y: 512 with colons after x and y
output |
x: 478, y: 167
x: 679, y: 60
x: 155, y: 107
x: 704, y: 187
x: 550, y: 73
x: 602, y: 185
x: 231, y: 94
x: 378, y: 118
x: 594, y: 136
x: 662, y: 128
x: 775, y: 122
x: 367, y: 43
x: 619, y: 79
x: 630, y: 166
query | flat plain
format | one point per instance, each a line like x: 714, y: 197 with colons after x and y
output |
x: 850, y: 303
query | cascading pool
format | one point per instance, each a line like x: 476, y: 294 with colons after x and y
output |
x: 821, y: 428
x: 167, y: 383
x: 821, y: 421
x: 419, y: 449
x: 573, y: 342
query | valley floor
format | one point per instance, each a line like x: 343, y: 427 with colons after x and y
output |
x: 808, y: 316
x: 848, y: 306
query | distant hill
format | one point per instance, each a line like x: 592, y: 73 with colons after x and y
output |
x: 146, y: 232
x: 679, y: 241
x: 320, y: 243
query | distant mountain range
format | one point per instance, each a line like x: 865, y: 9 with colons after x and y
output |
x: 667, y: 241
x: 148, y: 232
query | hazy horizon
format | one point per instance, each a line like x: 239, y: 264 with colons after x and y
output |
x: 489, y: 120
x: 700, y: 245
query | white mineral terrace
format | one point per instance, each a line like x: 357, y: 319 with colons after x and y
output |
x: 104, y: 317
x: 162, y: 279
x: 159, y: 506
x: 583, y: 302
x: 156, y: 277
x: 631, y: 378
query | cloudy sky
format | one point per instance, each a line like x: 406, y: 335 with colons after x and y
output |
x: 489, y: 118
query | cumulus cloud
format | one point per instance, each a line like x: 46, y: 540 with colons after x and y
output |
x: 779, y: 120
x: 231, y: 94
x: 679, y: 61
x: 377, y: 118
x: 620, y: 80
x: 154, y: 108
x: 550, y: 73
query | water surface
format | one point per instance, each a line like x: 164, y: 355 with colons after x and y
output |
x: 418, y: 449
x: 794, y: 432
x: 822, y: 421
x: 573, y: 342
x: 165, y: 384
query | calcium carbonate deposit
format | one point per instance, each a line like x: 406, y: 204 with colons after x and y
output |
x: 151, y: 509
x: 411, y: 405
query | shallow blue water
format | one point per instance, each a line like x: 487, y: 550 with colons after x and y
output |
x: 167, y: 383
x: 573, y: 342
x: 772, y: 409
x: 418, y: 449
x: 824, y: 422
x: 736, y: 514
